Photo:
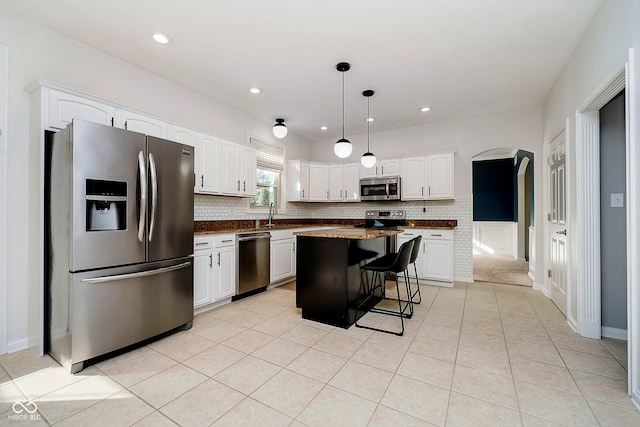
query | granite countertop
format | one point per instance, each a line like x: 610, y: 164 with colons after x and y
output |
x: 349, y: 233
x: 245, y: 226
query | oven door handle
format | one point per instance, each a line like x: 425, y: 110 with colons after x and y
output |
x: 103, y: 279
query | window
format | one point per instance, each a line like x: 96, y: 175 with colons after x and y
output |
x: 270, y: 162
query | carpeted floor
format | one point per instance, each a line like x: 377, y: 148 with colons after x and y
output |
x: 501, y: 269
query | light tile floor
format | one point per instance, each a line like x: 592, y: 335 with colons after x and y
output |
x: 472, y: 355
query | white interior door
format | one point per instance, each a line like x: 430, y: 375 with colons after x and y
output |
x: 557, y: 223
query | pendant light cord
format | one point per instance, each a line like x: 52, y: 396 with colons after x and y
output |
x: 368, y: 123
x: 343, y: 105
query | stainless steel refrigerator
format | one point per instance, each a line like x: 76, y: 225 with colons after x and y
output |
x: 120, y: 247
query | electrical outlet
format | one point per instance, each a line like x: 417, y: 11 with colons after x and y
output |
x: 617, y: 200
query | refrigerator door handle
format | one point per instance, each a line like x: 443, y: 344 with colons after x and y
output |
x: 103, y: 279
x: 143, y: 195
x: 154, y: 194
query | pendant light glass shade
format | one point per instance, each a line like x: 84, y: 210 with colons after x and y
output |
x: 343, y: 148
x: 279, y: 129
x: 368, y: 159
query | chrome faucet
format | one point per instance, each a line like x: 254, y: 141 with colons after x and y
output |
x: 272, y: 212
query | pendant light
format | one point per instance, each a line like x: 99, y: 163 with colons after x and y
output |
x: 279, y: 129
x: 343, y: 146
x: 368, y: 159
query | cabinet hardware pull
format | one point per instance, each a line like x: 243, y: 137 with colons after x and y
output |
x: 302, y: 193
x: 210, y: 260
x: 436, y: 235
x: 244, y: 186
x: 408, y: 234
x: 111, y: 121
x: 125, y: 124
x: 327, y: 194
x: 226, y: 241
x: 202, y: 179
x: 422, y: 190
x: 382, y: 170
x: 424, y: 247
x: 201, y: 243
x: 294, y: 246
x: 218, y: 258
x: 429, y: 190
x: 341, y: 194
x: 238, y: 185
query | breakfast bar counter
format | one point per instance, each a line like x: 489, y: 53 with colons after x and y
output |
x: 328, y: 270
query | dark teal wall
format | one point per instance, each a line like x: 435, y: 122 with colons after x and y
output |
x: 493, y: 190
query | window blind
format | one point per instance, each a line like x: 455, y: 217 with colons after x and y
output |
x: 269, y: 156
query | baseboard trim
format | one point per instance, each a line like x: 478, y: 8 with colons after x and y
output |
x: 615, y: 333
x: 573, y: 324
x: 22, y: 344
x: 466, y: 279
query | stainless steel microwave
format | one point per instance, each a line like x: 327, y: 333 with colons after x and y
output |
x: 375, y: 189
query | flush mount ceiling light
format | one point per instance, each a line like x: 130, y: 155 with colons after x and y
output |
x: 161, y: 38
x: 279, y: 129
x: 323, y: 128
x: 255, y: 90
x: 369, y: 119
x: 368, y: 159
x: 425, y: 109
x: 343, y: 147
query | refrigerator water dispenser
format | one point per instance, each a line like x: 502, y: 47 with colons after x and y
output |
x: 106, y: 205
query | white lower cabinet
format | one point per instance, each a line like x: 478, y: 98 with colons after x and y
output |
x: 283, y: 255
x: 435, y: 259
x: 224, y: 258
x: 214, y: 268
x: 202, y: 271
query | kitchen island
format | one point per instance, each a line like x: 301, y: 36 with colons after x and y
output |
x: 328, y: 271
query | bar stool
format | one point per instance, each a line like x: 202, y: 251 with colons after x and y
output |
x: 414, y: 255
x: 380, y: 267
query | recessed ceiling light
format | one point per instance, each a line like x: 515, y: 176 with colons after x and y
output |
x: 323, y: 128
x: 161, y: 38
x: 425, y: 109
x: 255, y: 90
x: 369, y: 119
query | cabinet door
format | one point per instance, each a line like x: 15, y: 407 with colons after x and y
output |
x: 413, y: 178
x: 438, y: 260
x: 209, y: 158
x: 139, y: 123
x: 183, y: 135
x: 336, y: 183
x: 282, y: 259
x: 64, y: 107
x: 202, y: 278
x: 440, y: 176
x: 304, y: 181
x: 318, y: 182
x: 371, y: 172
x: 352, y: 182
x: 225, y: 279
x: 229, y: 168
x: 248, y: 171
x: 389, y: 167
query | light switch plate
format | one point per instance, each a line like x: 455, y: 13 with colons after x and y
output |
x: 617, y: 200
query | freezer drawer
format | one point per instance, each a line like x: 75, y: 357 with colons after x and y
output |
x: 113, y: 308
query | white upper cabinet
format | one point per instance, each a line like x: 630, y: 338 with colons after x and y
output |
x: 238, y: 169
x: 440, y: 176
x: 297, y: 181
x: 64, y: 107
x: 140, y: 123
x: 183, y: 135
x: 428, y: 178
x: 352, y: 182
x: 208, y: 151
x: 318, y: 182
x: 387, y: 167
x: 336, y: 183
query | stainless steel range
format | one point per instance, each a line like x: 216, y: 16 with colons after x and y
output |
x: 385, y: 218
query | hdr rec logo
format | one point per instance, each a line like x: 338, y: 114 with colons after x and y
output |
x: 24, y: 412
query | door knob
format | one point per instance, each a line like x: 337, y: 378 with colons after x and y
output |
x: 563, y: 232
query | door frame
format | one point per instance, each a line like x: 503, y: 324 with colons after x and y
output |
x: 627, y: 76
x: 4, y: 210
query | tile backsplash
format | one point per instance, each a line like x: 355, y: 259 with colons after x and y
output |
x: 211, y: 208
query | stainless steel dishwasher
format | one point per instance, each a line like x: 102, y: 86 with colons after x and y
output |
x: 254, y: 257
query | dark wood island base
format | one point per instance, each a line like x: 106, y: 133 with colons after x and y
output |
x: 328, y: 271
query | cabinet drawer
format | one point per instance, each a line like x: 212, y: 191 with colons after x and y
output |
x: 437, y: 234
x: 282, y: 234
x: 223, y: 240
x: 201, y: 243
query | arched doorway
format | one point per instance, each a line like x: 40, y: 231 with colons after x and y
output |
x: 503, y: 206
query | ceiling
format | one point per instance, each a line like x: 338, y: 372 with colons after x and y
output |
x: 460, y: 57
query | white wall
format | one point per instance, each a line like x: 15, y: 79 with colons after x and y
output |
x: 603, y: 50
x: 37, y: 52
